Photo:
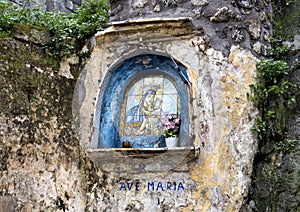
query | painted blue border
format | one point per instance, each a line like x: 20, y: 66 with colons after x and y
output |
x: 121, y: 77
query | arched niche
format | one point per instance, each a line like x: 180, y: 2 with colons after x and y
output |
x: 111, y: 112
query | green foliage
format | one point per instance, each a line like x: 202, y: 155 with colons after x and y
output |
x: 286, y: 17
x: 273, y: 95
x: 279, y: 51
x: 260, y: 127
x: 67, y: 31
x: 91, y: 17
x: 285, y: 145
x: 272, y: 71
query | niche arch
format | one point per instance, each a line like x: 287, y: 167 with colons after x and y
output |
x: 114, y: 92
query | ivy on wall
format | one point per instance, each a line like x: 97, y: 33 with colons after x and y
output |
x: 68, y: 32
x: 274, y: 95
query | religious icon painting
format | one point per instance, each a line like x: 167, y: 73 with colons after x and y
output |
x: 148, y: 100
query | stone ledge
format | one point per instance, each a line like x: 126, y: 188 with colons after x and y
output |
x: 169, y: 26
x: 132, y: 160
x: 150, y: 20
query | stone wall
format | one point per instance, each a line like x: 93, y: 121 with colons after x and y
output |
x: 67, y: 6
x: 225, y: 23
x: 219, y: 178
x: 41, y: 162
x: 41, y: 166
x: 45, y: 165
x: 276, y: 178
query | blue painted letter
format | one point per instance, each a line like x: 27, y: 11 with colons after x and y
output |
x: 123, y: 186
x: 169, y: 184
x: 152, y: 185
x: 180, y: 186
x: 137, y: 186
x: 159, y: 185
x: 129, y: 185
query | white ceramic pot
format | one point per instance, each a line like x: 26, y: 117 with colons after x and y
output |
x: 171, y: 142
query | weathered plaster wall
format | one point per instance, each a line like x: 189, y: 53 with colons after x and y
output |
x: 215, y: 46
x: 41, y: 167
x: 221, y: 126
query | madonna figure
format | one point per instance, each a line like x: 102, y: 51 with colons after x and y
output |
x: 139, y: 112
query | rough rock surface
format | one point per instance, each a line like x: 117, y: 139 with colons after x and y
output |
x: 219, y: 20
x: 276, y: 176
x: 67, y: 6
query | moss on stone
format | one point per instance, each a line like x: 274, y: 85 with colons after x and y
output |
x: 287, y: 19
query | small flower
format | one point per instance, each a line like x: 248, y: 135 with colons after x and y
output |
x: 177, y: 121
x: 172, y: 126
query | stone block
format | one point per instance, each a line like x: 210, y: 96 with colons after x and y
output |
x: 31, y: 33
